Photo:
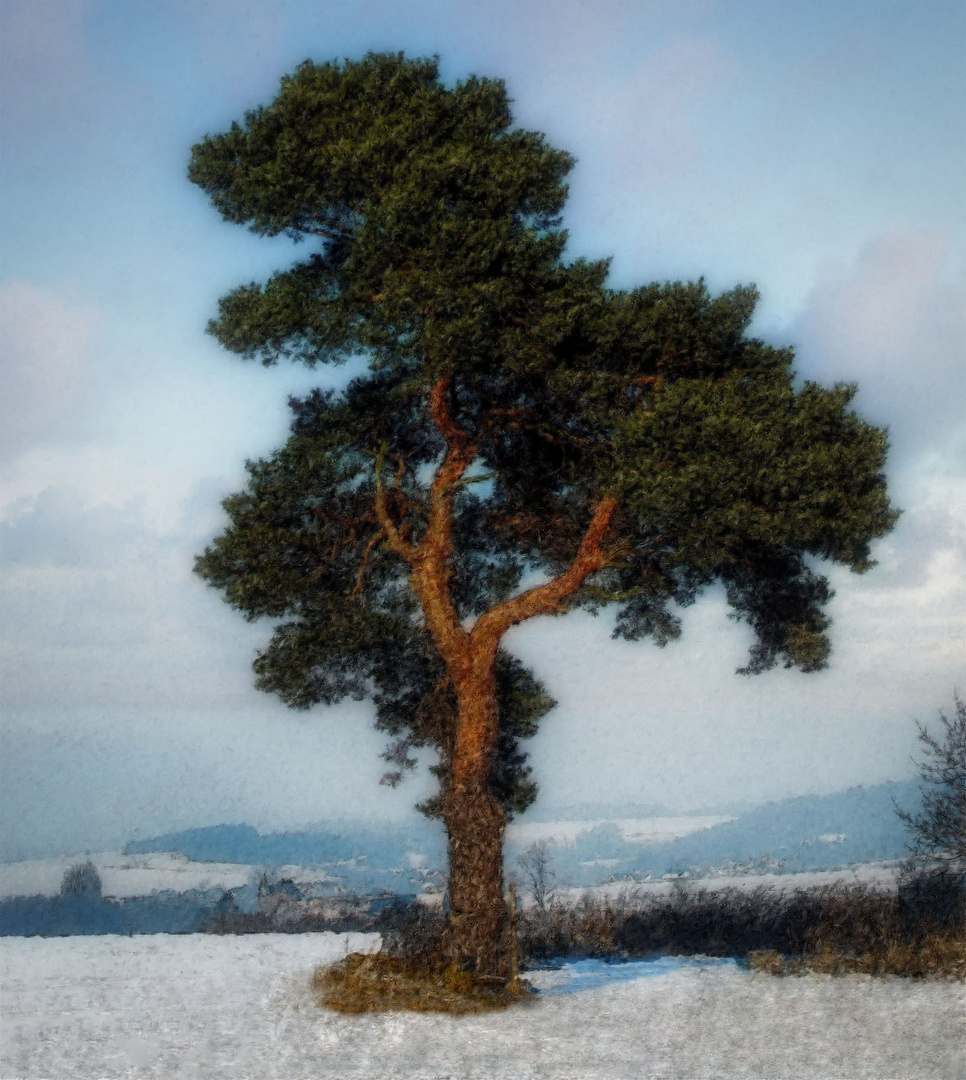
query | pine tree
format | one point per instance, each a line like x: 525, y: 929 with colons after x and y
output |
x: 519, y: 416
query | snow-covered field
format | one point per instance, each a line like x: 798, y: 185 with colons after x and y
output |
x: 654, y: 830
x: 180, y: 1008
x: 138, y: 875
x: 873, y: 875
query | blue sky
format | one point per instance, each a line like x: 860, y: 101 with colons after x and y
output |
x: 814, y: 148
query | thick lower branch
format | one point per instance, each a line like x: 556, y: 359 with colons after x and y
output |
x: 546, y: 599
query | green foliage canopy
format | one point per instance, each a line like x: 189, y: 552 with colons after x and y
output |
x: 437, y: 253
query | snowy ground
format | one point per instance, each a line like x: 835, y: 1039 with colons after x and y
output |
x: 652, y: 830
x: 874, y: 875
x: 180, y: 1008
x: 123, y: 875
x: 139, y: 875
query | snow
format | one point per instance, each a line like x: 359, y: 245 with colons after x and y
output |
x: 875, y: 875
x: 654, y: 830
x: 122, y: 875
x: 239, y: 1008
x: 576, y: 975
x: 139, y: 875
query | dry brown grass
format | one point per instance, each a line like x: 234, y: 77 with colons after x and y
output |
x: 862, y: 932
x: 837, y: 930
x: 362, y: 983
x: 936, y: 956
x: 688, y: 921
x: 917, y: 933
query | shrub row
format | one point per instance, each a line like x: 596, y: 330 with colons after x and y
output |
x: 915, y: 931
x: 733, y: 922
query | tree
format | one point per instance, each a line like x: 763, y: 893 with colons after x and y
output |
x: 519, y: 417
x: 537, y: 868
x: 939, y: 829
x: 81, y: 880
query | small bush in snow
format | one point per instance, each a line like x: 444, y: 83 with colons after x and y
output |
x: 81, y: 880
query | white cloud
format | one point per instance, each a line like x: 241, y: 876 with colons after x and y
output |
x: 45, y: 377
x: 100, y: 606
x: 58, y: 530
x: 894, y: 322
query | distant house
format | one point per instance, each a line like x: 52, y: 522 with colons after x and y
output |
x: 275, y: 895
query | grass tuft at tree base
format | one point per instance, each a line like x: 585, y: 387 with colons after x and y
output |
x: 364, y: 983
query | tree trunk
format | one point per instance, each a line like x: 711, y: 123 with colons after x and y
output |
x: 476, y: 928
x: 476, y: 934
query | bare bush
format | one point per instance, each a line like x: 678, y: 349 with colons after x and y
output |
x: 832, y: 929
x: 538, y: 873
x: 939, y: 829
x: 81, y: 880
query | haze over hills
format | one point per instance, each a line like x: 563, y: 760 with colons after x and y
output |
x: 384, y: 846
x: 176, y: 882
x: 811, y: 832
x: 808, y: 833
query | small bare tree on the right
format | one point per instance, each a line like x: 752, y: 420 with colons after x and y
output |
x: 537, y: 868
x: 939, y: 829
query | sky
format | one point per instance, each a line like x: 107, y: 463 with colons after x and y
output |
x: 815, y: 148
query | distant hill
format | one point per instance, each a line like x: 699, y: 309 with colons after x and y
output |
x: 363, y: 858
x: 387, y: 845
x: 812, y: 832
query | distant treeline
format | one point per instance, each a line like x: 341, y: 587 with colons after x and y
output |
x: 67, y: 914
x: 270, y: 908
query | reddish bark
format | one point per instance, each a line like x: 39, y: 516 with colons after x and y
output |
x: 474, y: 819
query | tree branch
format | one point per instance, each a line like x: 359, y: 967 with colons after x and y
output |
x: 360, y: 577
x: 431, y: 559
x: 326, y: 234
x: 394, y: 537
x: 547, y: 599
x: 437, y: 546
